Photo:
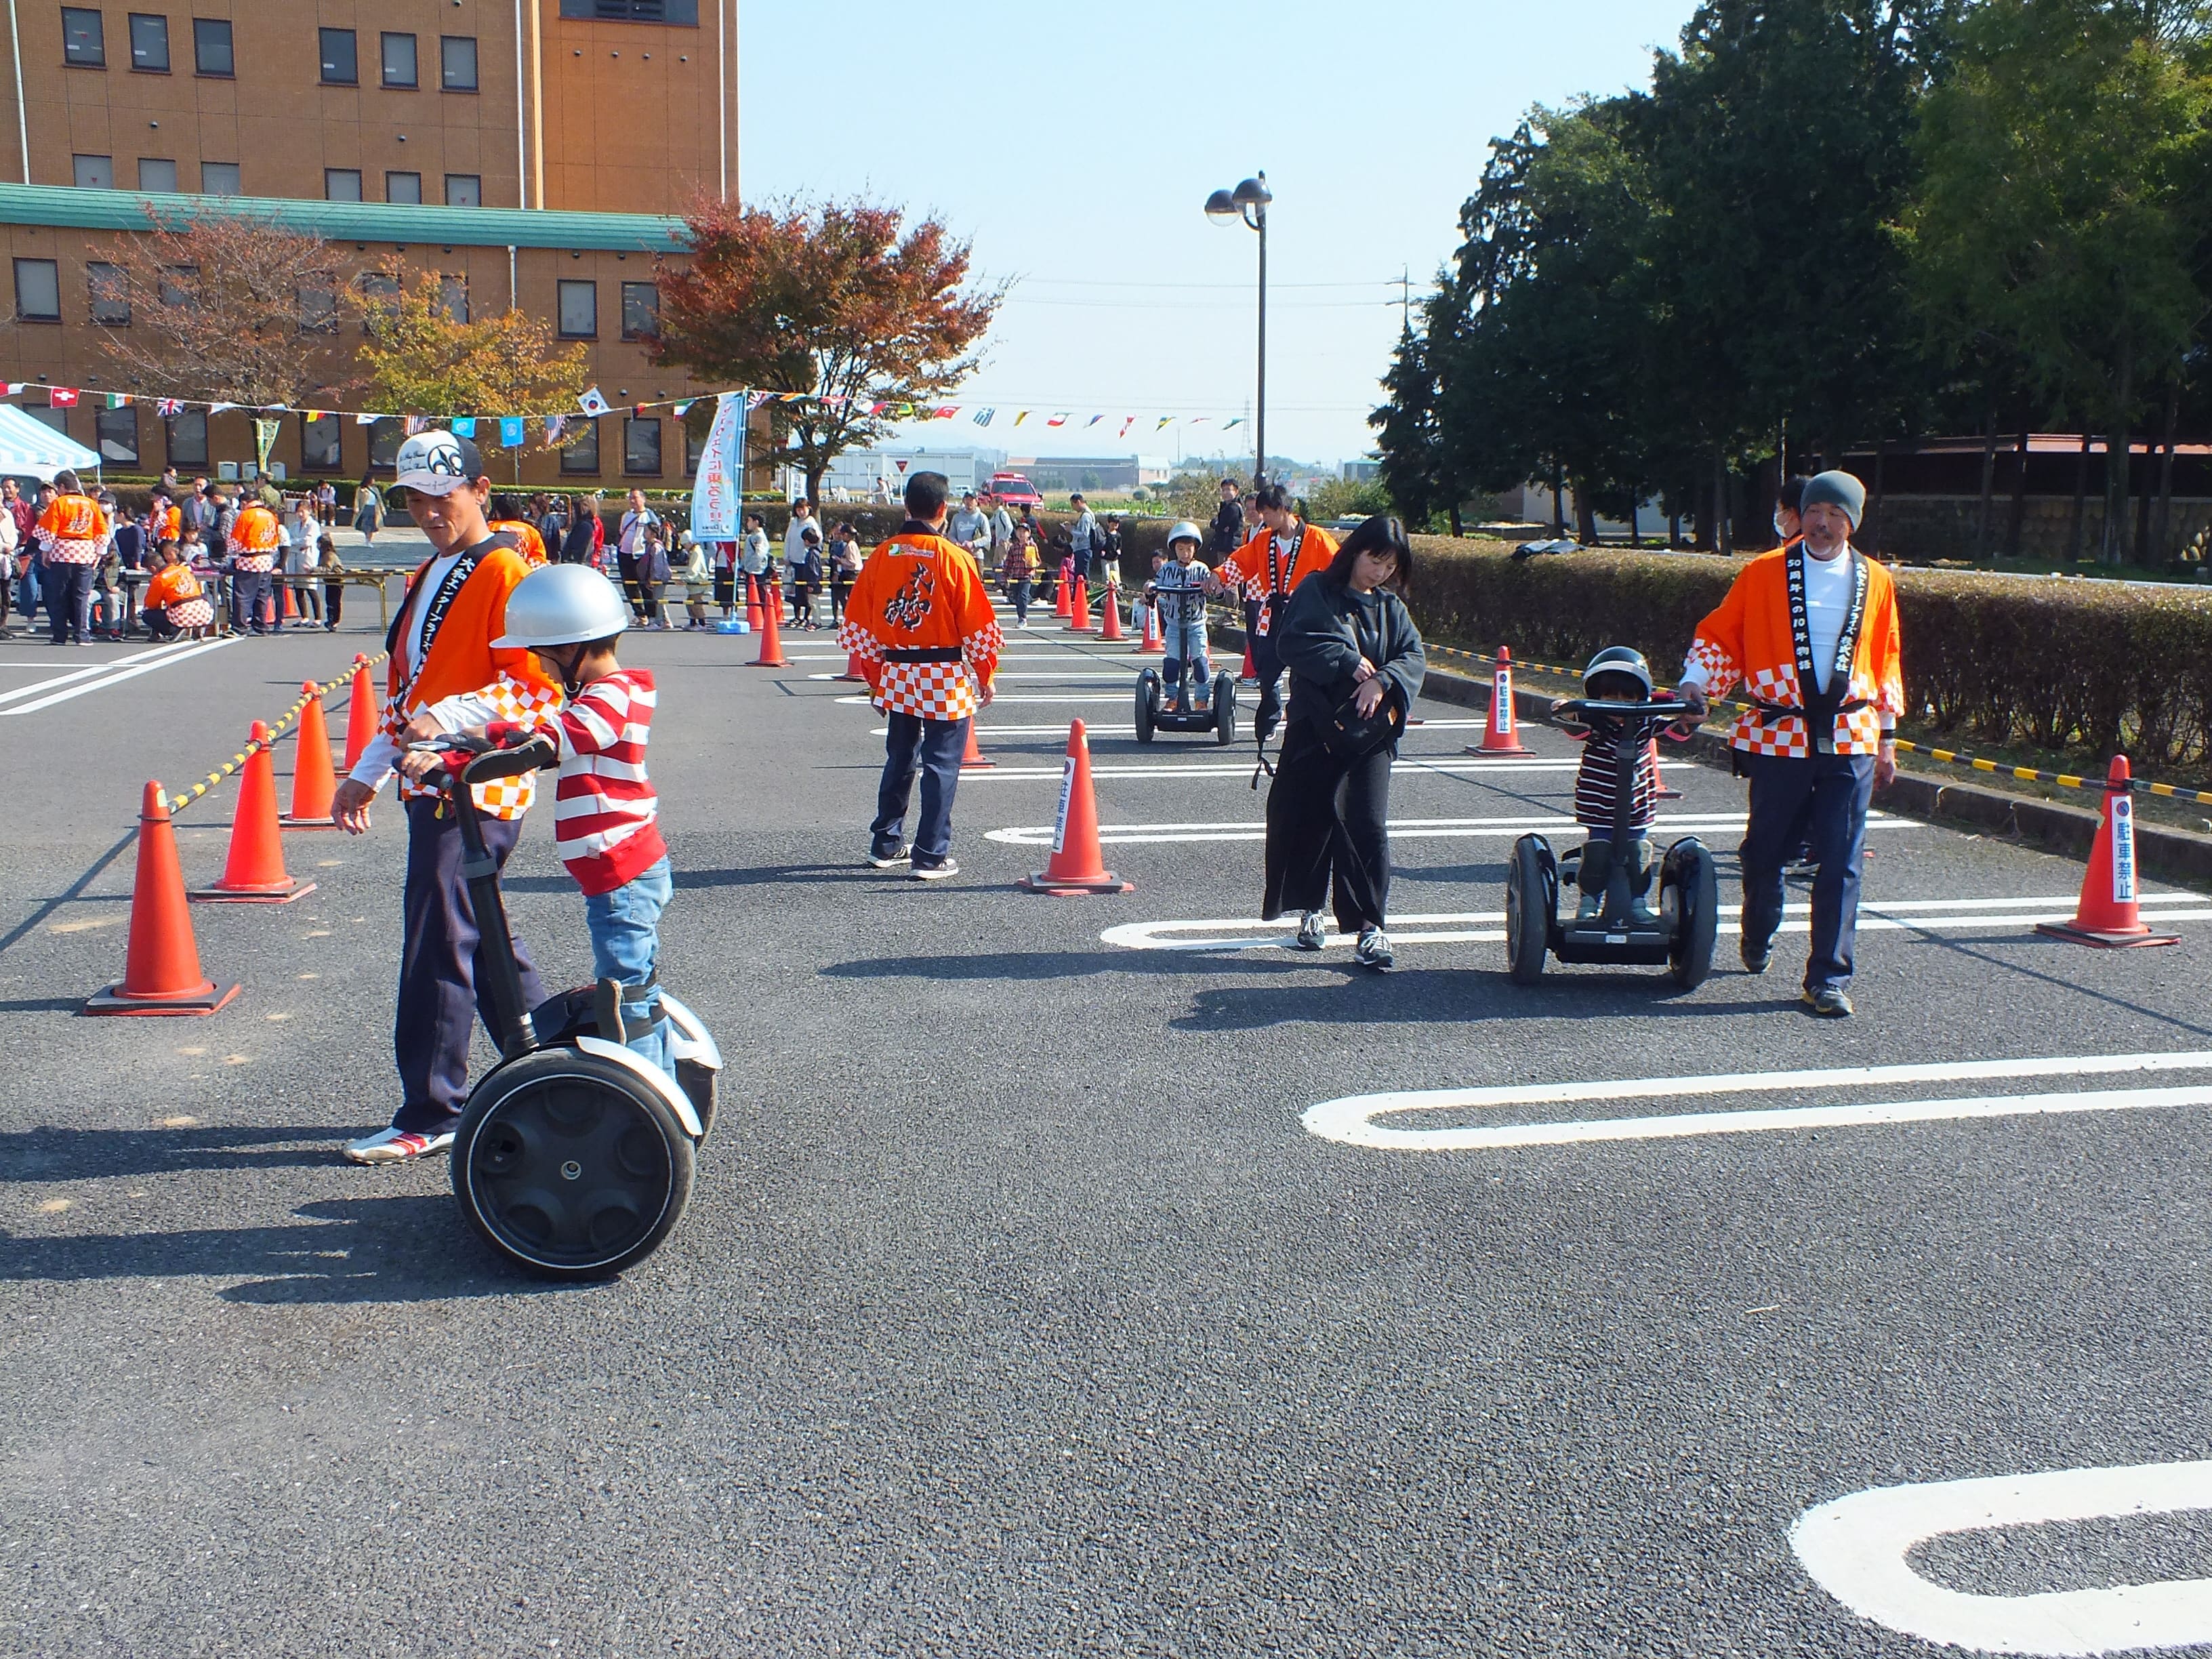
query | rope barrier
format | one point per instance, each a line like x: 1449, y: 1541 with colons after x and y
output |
x: 178, y: 803
x: 2025, y: 774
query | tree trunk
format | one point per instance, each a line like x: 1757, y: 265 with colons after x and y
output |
x: 2119, y: 466
x: 1674, y: 529
x: 1724, y: 531
x: 1635, y: 520
x: 2162, y: 547
x: 1559, y: 500
x: 1585, y: 515
x: 1871, y: 526
x: 1456, y: 528
x: 2080, y: 502
x: 2014, y: 519
x: 1988, y: 482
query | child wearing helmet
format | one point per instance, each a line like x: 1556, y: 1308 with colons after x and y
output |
x: 1178, y: 591
x: 1617, y: 674
x: 606, y: 824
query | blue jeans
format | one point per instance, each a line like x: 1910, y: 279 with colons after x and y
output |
x: 1186, y: 647
x: 1818, y: 800
x: 625, y: 928
x: 933, y: 749
x: 27, y: 591
x: 1018, y: 593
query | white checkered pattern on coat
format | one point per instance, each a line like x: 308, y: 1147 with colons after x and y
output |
x: 856, y: 640
x: 501, y: 798
x: 71, y: 549
x: 192, y: 613
x: 1721, y: 670
x: 934, y: 691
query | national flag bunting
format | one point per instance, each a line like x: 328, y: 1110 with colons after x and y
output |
x: 592, y: 403
x: 62, y: 397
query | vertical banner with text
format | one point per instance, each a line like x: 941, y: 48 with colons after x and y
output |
x: 719, y: 490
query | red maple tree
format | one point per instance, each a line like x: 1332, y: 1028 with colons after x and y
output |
x: 840, y: 301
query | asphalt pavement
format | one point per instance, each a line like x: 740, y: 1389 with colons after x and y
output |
x: 1049, y: 1286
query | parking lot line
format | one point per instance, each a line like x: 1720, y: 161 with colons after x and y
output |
x: 1408, y: 829
x: 108, y: 674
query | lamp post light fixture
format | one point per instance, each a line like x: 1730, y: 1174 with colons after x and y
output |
x: 1249, y: 202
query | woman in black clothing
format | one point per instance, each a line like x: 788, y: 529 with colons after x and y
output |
x: 1352, y: 652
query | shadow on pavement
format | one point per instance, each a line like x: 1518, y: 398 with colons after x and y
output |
x: 48, y: 1153
x: 1070, y: 964
x: 411, y: 1248
x: 1424, y: 996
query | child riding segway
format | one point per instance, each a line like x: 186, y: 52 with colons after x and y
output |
x: 1616, y: 798
x: 1178, y: 696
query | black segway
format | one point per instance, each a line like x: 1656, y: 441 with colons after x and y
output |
x: 1156, y: 712
x: 1680, y: 936
x: 573, y: 1154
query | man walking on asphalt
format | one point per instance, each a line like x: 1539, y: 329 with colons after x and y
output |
x: 1082, y: 539
x: 73, y: 532
x: 1811, y: 632
x: 920, y: 623
x: 968, y: 528
x: 445, y: 673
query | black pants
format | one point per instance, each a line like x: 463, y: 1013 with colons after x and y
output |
x: 726, y: 590
x: 439, y: 961
x: 67, y: 589
x: 933, y: 749
x: 333, y: 604
x: 838, y: 590
x: 633, y: 589
x: 1304, y: 857
x: 1267, y: 665
x: 158, y: 625
x: 1819, y: 801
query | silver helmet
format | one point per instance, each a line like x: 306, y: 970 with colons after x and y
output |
x: 561, y: 604
x: 1183, y: 530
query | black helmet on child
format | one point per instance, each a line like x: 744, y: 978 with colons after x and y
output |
x: 1618, y: 660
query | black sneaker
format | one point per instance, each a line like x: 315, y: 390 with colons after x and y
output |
x: 1312, y: 933
x: 1373, y: 951
x: 1756, y: 957
x: 941, y: 872
x: 1828, y: 1002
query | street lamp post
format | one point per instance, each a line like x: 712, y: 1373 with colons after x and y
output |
x: 1249, y: 202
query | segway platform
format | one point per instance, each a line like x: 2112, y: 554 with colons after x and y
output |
x: 1156, y: 710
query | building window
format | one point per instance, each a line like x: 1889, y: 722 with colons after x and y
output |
x: 399, y: 60
x: 109, y: 290
x: 384, y: 438
x: 84, y: 38
x: 187, y: 440
x: 38, y: 291
x: 211, y: 52
x: 341, y: 183
x: 47, y: 415
x: 405, y: 187
x: 378, y: 289
x: 581, y: 452
x: 94, y: 172
x: 453, y: 297
x: 178, y: 284
x: 220, y: 178
x: 341, y: 66
x: 641, y: 446
x: 640, y: 310
x: 634, y: 11
x: 457, y: 60
x: 695, y: 445
x: 318, y: 443
x: 319, y: 304
x: 156, y: 175
x: 149, y: 43
x: 463, y: 189
x: 115, y: 432
x: 579, y: 314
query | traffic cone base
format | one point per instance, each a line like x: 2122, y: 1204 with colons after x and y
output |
x: 853, y: 668
x: 1109, y: 631
x: 1076, y: 864
x: 254, y: 870
x: 974, y: 760
x: 771, y: 637
x: 1078, y: 608
x: 161, y: 966
x: 1501, y: 734
x: 1151, y: 645
x: 2109, y: 917
x: 313, y: 782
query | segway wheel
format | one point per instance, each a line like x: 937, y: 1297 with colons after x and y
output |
x: 1689, y: 870
x: 1148, y: 704
x: 1527, y: 911
x: 1224, y: 708
x: 570, y: 1165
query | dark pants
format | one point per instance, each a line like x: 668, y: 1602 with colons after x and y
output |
x: 1267, y: 666
x: 838, y: 589
x: 1304, y: 857
x: 439, y: 961
x: 1018, y: 594
x: 933, y: 747
x: 67, y: 589
x: 333, y: 602
x: 726, y: 591
x: 626, y: 566
x: 249, y: 591
x: 1819, y: 802
x: 158, y: 625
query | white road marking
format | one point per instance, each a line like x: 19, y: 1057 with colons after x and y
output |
x: 1408, y: 829
x: 1856, y: 1549
x: 1118, y: 697
x: 1352, y: 1121
x: 1487, y: 927
x: 1197, y: 769
x: 110, y: 673
x: 87, y: 671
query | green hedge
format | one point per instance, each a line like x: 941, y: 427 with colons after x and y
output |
x: 2092, y: 666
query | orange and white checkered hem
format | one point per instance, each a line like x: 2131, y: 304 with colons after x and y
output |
x: 933, y: 690
x: 192, y: 613
x: 1719, y: 667
x: 72, y: 549
x: 251, y: 562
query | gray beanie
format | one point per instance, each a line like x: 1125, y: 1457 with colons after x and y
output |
x: 1837, y: 490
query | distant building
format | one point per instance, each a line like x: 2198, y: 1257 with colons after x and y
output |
x: 858, y: 471
x: 1055, y: 474
x: 1361, y: 471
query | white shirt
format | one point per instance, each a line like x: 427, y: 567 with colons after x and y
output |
x: 1827, y: 607
x: 381, y: 754
x: 794, y: 537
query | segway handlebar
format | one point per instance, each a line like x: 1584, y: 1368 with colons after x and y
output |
x: 1657, y: 708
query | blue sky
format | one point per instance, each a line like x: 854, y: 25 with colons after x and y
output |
x: 1075, y: 146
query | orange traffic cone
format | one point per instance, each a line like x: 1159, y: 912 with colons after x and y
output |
x: 974, y: 760
x: 1110, y: 618
x: 1078, y: 614
x: 852, y: 667
x: 291, y: 610
x: 1151, y: 645
x: 1060, y: 604
x: 1076, y: 866
x: 361, y: 712
x: 752, y: 605
x: 313, y: 783
x: 1659, y: 788
x: 254, y: 872
x: 771, y: 638
x: 2109, y: 915
x: 161, y: 964
x: 1501, y: 736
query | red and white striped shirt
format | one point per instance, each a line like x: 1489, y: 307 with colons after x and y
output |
x: 605, y: 817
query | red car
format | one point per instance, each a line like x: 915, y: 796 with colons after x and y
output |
x: 1014, y: 490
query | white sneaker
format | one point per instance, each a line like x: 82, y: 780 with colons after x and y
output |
x: 890, y: 861
x: 396, y: 1146
x: 1312, y: 933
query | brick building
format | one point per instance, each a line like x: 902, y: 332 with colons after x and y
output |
x: 536, y: 152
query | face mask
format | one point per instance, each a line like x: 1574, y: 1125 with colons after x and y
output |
x: 1781, y: 529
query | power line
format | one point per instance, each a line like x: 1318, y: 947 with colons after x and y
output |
x: 1245, y: 288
